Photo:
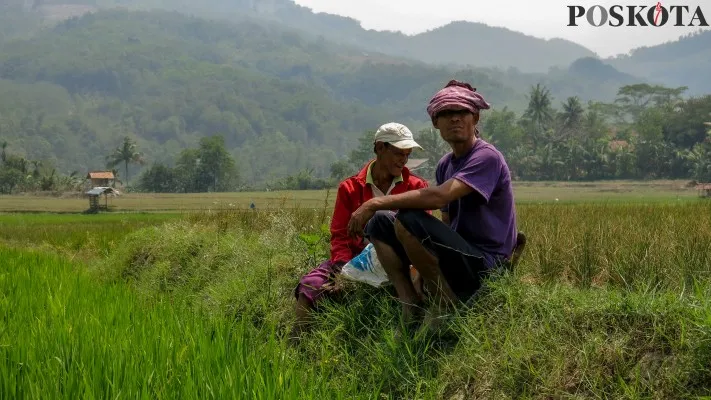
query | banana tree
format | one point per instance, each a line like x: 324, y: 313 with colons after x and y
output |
x: 700, y: 161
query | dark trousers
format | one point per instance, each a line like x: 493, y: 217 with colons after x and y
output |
x: 463, y: 265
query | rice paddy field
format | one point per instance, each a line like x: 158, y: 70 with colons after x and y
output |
x: 526, y: 192
x: 181, y: 296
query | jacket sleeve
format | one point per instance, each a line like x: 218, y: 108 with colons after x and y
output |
x: 340, y: 249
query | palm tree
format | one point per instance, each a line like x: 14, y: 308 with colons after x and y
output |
x: 539, y: 110
x: 126, y: 153
x: 572, y: 113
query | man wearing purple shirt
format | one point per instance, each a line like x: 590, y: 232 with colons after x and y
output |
x: 478, y: 230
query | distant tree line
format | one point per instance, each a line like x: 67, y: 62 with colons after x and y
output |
x: 648, y: 132
x: 207, y: 168
x: 18, y: 174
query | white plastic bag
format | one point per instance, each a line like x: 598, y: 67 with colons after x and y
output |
x: 366, y: 267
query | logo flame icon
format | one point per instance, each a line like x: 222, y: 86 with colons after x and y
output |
x: 659, y: 11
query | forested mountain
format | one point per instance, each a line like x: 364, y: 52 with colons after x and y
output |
x: 444, y: 45
x: 170, y: 79
x: 679, y: 62
x: 458, y: 43
x: 287, y: 104
x: 685, y: 62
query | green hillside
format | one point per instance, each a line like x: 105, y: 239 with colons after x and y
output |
x: 684, y: 62
x: 503, y: 47
x: 170, y: 79
x: 74, y: 88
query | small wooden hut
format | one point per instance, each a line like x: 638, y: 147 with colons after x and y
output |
x: 101, y: 178
x: 95, y: 198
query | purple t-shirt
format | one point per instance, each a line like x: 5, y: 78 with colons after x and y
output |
x: 489, y: 224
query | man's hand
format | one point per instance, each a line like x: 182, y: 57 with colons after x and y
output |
x: 359, y: 218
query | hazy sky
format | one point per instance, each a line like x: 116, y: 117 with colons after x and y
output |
x: 543, y: 18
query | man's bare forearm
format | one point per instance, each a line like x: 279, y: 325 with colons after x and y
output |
x: 425, y: 199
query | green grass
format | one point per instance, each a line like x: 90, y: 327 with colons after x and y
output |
x: 65, y: 336
x: 551, y: 341
x: 83, y: 236
x: 610, y: 300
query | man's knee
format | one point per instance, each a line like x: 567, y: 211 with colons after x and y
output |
x: 405, y: 220
x: 380, y: 226
x: 311, y: 286
x: 401, y: 233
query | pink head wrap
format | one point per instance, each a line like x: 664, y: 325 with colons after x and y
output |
x: 456, y: 95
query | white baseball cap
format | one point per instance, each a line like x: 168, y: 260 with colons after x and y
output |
x: 396, y: 134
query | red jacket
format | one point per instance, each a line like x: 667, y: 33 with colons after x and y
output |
x: 353, y: 192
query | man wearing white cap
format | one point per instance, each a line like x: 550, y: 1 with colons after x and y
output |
x: 384, y: 175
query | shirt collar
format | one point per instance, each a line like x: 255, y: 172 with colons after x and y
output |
x: 369, y: 176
